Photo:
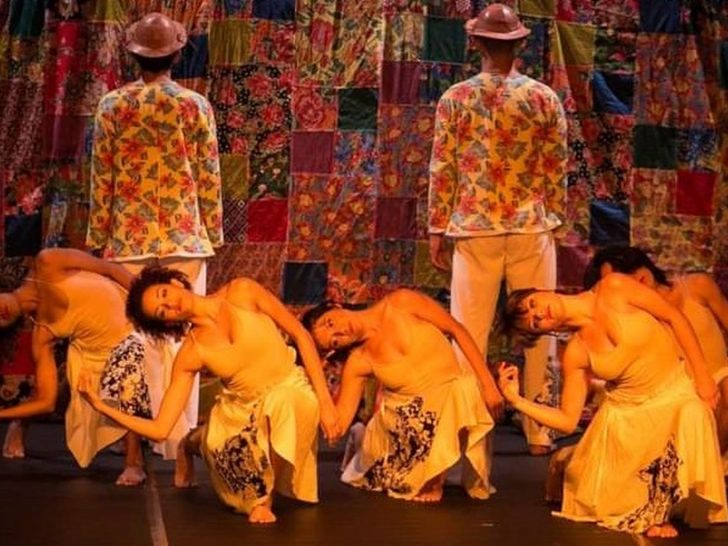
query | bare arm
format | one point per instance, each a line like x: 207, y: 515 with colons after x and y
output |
x: 46, y: 379
x: 266, y: 303
x: 53, y: 262
x: 708, y: 291
x: 186, y: 365
x: 353, y: 377
x: 566, y: 417
x: 429, y: 310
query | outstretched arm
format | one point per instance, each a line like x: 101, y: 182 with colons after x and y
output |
x: 427, y: 309
x: 286, y: 321
x: 186, y: 365
x: 566, y: 417
x: 55, y: 262
x: 46, y: 378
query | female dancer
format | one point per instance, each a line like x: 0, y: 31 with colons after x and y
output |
x: 699, y: 298
x: 71, y: 294
x: 261, y: 434
x: 432, y: 412
x: 650, y: 453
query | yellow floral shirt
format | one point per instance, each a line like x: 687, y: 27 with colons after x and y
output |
x: 155, y: 176
x: 498, y: 159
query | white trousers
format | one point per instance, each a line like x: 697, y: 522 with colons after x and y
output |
x: 160, y: 354
x: 480, y: 264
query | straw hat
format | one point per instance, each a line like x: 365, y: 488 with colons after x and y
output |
x: 499, y: 22
x: 155, y: 35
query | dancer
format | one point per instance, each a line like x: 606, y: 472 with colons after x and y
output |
x: 261, y: 434
x: 70, y: 294
x: 650, y: 453
x: 699, y: 298
x: 432, y: 411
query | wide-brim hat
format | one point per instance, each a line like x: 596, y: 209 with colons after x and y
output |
x: 155, y: 35
x: 498, y: 22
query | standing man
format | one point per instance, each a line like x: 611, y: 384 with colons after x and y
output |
x: 497, y: 188
x: 155, y: 177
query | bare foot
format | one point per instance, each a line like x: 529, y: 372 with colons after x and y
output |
x: 184, y: 467
x: 13, y: 446
x: 132, y: 475
x: 431, y: 491
x: 262, y: 513
x: 666, y: 530
x: 539, y: 451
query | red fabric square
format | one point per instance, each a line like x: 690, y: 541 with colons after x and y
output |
x: 400, y: 82
x: 267, y: 220
x: 694, y: 193
x: 312, y: 152
x: 572, y: 261
x: 396, y: 218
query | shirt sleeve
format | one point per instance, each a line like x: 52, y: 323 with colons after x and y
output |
x: 209, y: 185
x: 102, y: 180
x: 443, y: 168
x: 554, y: 158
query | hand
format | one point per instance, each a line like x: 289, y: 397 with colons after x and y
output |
x: 330, y: 424
x: 494, y: 402
x: 437, y: 252
x: 508, y: 381
x: 708, y: 391
x: 85, y: 389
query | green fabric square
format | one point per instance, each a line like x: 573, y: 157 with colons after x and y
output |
x: 26, y: 18
x: 229, y: 42
x: 577, y: 43
x: 723, y: 68
x: 235, y: 175
x: 537, y: 8
x: 445, y: 40
x: 358, y: 109
x: 655, y: 147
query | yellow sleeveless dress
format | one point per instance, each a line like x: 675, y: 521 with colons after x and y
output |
x: 266, y: 403
x: 414, y: 434
x: 651, y: 451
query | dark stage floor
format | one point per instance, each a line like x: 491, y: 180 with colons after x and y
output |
x: 46, y: 500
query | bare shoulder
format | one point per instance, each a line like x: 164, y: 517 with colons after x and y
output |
x: 701, y: 284
x: 241, y: 291
x: 576, y: 356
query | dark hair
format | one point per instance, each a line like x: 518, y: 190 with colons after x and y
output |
x: 153, y: 326
x: 511, y: 323
x: 623, y: 259
x: 311, y: 317
x: 155, y: 64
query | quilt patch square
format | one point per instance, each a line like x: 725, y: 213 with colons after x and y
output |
x: 267, y: 220
x: 312, y: 152
x: 694, y: 195
x: 609, y: 223
x: 304, y: 283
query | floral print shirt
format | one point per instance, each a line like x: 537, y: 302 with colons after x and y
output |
x: 498, y: 161
x: 155, y: 183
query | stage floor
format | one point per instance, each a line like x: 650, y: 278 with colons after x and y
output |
x: 46, y: 500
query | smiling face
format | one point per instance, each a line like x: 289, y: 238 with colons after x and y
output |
x: 167, y: 302
x: 541, y: 312
x: 10, y: 310
x: 333, y: 330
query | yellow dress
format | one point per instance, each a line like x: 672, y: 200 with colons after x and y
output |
x: 94, y: 323
x: 651, y: 451
x: 414, y: 434
x: 266, y: 402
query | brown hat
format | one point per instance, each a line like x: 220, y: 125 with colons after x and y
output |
x: 499, y: 22
x: 155, y: 35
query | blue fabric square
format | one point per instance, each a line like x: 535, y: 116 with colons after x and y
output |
x: 660, y: 16
x: 612, y: 92
x: 609, y: 223
x: 23, y: 234
x: 274, y: 9
x: 304, y: 283
x: 696, y: 148
x: 193, y: 61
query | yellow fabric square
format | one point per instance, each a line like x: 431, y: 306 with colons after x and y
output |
x: 576, y: 43
x: 229, y: 42
x: 537, y: 8
x: 235, y: 174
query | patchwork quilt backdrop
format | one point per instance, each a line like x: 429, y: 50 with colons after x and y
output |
x: 325, y: 118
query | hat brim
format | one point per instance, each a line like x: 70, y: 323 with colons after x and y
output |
x: 154, y: 53
x: 517, y: 34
